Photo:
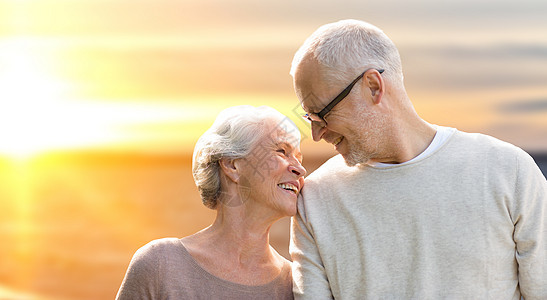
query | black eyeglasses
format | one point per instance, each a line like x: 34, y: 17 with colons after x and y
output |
x: 312, y: 117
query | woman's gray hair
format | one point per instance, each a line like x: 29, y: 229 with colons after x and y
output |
x: 233, y: 135
x: 348, y: 47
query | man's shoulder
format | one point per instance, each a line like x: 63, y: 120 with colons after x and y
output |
x: 484, y: 142
x: 333, y: 166
x: 477, y: 146
x: 327, y: 181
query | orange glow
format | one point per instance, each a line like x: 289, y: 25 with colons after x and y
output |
x: 33, y: 115
x: 101, y: 102
x: 37, y: 115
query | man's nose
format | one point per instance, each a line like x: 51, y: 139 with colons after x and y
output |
x: 317, y: 130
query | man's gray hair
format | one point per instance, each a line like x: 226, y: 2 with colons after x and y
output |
x: 233, y: 135
x: 348, y: 47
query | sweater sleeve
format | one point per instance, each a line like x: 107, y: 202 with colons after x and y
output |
x: 309, y: 278
x: 530, y: 231
x: 141, y: 278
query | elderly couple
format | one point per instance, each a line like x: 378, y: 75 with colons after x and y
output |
x: 408, y: 210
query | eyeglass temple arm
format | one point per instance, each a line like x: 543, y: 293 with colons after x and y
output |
x: 343, y: 94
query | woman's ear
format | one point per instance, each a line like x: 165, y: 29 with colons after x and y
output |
x: 229, y: 169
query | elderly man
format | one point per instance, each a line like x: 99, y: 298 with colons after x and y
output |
x: 408, y: 210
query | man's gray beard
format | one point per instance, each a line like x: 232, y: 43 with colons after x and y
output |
x: 355, y: 155
x: 367, y: 144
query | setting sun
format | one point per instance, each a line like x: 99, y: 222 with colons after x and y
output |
x: 34, y: 117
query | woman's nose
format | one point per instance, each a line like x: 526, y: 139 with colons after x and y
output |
x: 298, y: 169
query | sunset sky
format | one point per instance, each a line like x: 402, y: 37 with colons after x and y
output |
x: 151, y: 76
x: 127, y: 77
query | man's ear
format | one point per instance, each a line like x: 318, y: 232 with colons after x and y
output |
x: 229, y: 169
x: 375, y: 83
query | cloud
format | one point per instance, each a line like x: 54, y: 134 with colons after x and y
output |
x: 526, y: 106
x: 477, y: 66
x: 489, y: 52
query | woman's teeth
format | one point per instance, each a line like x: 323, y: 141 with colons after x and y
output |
x: 288, y: 187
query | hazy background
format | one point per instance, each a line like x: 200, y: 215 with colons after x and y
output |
x: 102, y: 101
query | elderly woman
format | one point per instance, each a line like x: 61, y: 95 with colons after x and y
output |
x: 248, y: 168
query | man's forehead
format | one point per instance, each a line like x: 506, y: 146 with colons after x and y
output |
x: 308, y: 83
x: 311, y: 102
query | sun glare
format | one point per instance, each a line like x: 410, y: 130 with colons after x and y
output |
x: 35, y: 114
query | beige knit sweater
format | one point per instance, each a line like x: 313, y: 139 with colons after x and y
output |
x: 469, y: 221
